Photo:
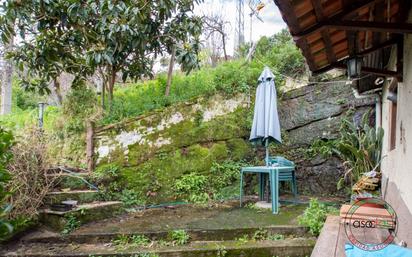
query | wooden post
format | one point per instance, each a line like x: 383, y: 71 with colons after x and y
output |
x: 90, y: 146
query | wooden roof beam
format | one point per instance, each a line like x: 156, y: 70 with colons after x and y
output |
x: 400, y: 28
x: 317, y: 6
x: 348, y: 10
x: 369, y: 70
x: 341, y: 63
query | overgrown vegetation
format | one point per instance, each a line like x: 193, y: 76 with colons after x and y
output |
x: 174, y: 238
x: 72, y: 223
x: 359, y: 146
x: 132, y: 35
x: 315, y: 216
x: 63, y: 137
x: 123, y: 241
x: 280, y: 53
x: 6, y: 142
x: 28, y: 169
x: 178, y: 237
x: 260, y: 235
x: 197, y: 188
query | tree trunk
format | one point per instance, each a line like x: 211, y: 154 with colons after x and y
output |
x: 112, y: 80
x: 170, y: 71
x: 6, y: 87
x: 90, y: 146
x: 57, y: 90
x: 224, y: 46
x: 103, y: 88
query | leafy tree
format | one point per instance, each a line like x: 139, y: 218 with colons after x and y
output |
x: 280, y: 52
x: 110, y: 37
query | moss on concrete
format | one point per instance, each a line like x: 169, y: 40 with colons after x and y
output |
x: 155, y: 150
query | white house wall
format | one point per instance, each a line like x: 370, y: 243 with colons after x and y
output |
x: 397, y: 165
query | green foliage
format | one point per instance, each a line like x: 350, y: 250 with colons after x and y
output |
x: 25, y: 100
x: 234, y: 77
x: 276, y: 237
x: 280, y: 53
x: 192, y: 187
x: 260, y: 234
x: 323, y: 147
x: 110, y: 188
x: 72, y: 223
x: 243, y: 239
x: 79, y: 105
x: 225, y: 173
x: 6, y: 142
x: 360, y: 148
x: 131, y: 198
x: 263, y: 234
x: 178, y: 237
x: 19, y: 224
x: 125, y: 37
x: 223, y: 178
x: 221, y: 251
x: 314, y: 216
x: 106, y: 173
x: 135, y: 99
x: 123, y: 241
x: 217, y: 184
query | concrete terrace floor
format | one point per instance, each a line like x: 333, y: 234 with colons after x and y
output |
x: 226, y: 215
x: 188, y: 217
x: 222, y: 216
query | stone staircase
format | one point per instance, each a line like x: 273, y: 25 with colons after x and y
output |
x: 89, y: 207
x: 224, y: 242
x: 223, y: 230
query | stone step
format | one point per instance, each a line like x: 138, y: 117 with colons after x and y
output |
x: 81, y: 214
x: 81, y: 196
x: 223, y: 234
x: 293, y: 247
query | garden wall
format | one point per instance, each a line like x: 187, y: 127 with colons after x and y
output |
x: 157, y: 148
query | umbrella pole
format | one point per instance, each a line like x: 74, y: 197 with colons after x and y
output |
x: 266, y: 175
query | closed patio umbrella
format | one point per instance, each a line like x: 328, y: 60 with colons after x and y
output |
x: 266, y: 127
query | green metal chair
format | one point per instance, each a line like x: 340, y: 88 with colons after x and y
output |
x: 277, y: 169
x: 284, y: 175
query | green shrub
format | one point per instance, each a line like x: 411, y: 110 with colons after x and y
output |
x: 192, y: 187
x: 72, y: 223
x: 131, y: 198
x: 178, y: 237
x: 314, y: 216
x: 123, y: 241
x: 276, y: 237
x: 260, y: 234
x: 224, y: 178
x: 225, y: 173
x: 80, y: 104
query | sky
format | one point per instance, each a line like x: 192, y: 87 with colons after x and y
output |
x: 272, y: 20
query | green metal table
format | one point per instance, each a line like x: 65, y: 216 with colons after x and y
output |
x: 273, y: 172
